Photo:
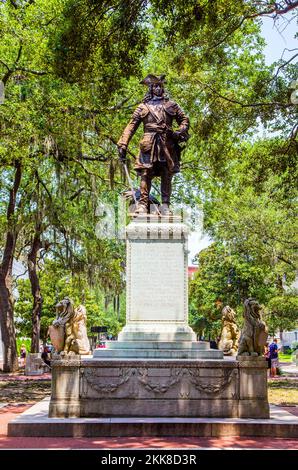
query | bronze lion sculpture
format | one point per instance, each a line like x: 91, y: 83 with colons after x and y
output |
x: 68, y: 332
x: 230, y: 332
x: 254, y: 332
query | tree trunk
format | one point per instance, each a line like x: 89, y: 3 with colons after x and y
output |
x: 118, y: 306
x: 10, y: 359
x: 281, y: 340
x: 35, y: 289
x: 107, y: 301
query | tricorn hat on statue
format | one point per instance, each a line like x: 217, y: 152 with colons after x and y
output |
x: 153, y: 79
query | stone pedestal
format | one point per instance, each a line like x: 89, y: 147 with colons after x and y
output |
x: 157, y: 368
x: 93, y: 388
x: 157, y: 295
x: 65, y: 397
x: 157, y: 282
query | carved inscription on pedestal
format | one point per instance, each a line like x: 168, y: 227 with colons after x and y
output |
x: 157, y: 284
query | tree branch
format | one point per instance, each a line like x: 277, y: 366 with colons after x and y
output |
x: 20, y: 275
x: 11, y: 235
x: 43, y: 185
x: 76, y: 194
x: 111, y: 139
x: 294, y: 132
x: 19, y: 54
x: 100, y: 158
x: 10, y: 71
x: 283, y: 65
x: 281, y: 258
x: 90, y: 173
x: 277, y: 9
x: 119, y: 105
x: 34, y: 72
x: 5, y: 65
x: 213, y: 46
x: 240, y: 103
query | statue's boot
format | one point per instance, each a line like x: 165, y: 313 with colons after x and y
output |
x: 165, y: 209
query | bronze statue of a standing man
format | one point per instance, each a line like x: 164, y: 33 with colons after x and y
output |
x: 159, y: 148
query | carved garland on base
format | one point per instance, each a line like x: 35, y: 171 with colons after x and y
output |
x: 211, y: 387
x: 92, y: 380
x: 155, y: 387
x: 159, y: 387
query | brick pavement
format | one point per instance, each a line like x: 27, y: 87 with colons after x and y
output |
x: 10, y: 411
x: 20, y: 377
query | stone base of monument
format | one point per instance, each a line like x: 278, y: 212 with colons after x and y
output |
x: 153, y: 331
x: 157, y: 369
x: 157, y: 379
x: 35, y: 365
x: 158, y: 350
x: 35, y: 422
x: 107, y: 387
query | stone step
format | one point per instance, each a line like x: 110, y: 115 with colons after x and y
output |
x: 35, y: 423
x: 158, y: 353
x: 165, y: 332
x: 166, y: 337
x: 187, y: 345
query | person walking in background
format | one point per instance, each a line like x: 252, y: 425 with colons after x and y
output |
x: 46, y: 357
x: 23, y: 354
x: 267, y: 357
x: 273, y: 351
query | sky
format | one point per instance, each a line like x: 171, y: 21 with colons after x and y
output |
x: 279, y: 36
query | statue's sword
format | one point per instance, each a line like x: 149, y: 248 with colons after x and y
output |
x: 130, y: 183
x: 132, y: 190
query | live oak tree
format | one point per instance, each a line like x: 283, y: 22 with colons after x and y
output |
x: 6, y: 294
x: 39, y: 133
x: 71, y: 71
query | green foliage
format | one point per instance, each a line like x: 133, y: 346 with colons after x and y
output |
x: 56, y: 283
x: 227, y: 278
x: 99, y: 39
x: 205, y: 327
x: 283, y: 312
x: 26, y: 342
x: 71, y: 71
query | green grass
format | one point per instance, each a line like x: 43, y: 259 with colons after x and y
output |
x: 283, y: 392
x: 285, y: 357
